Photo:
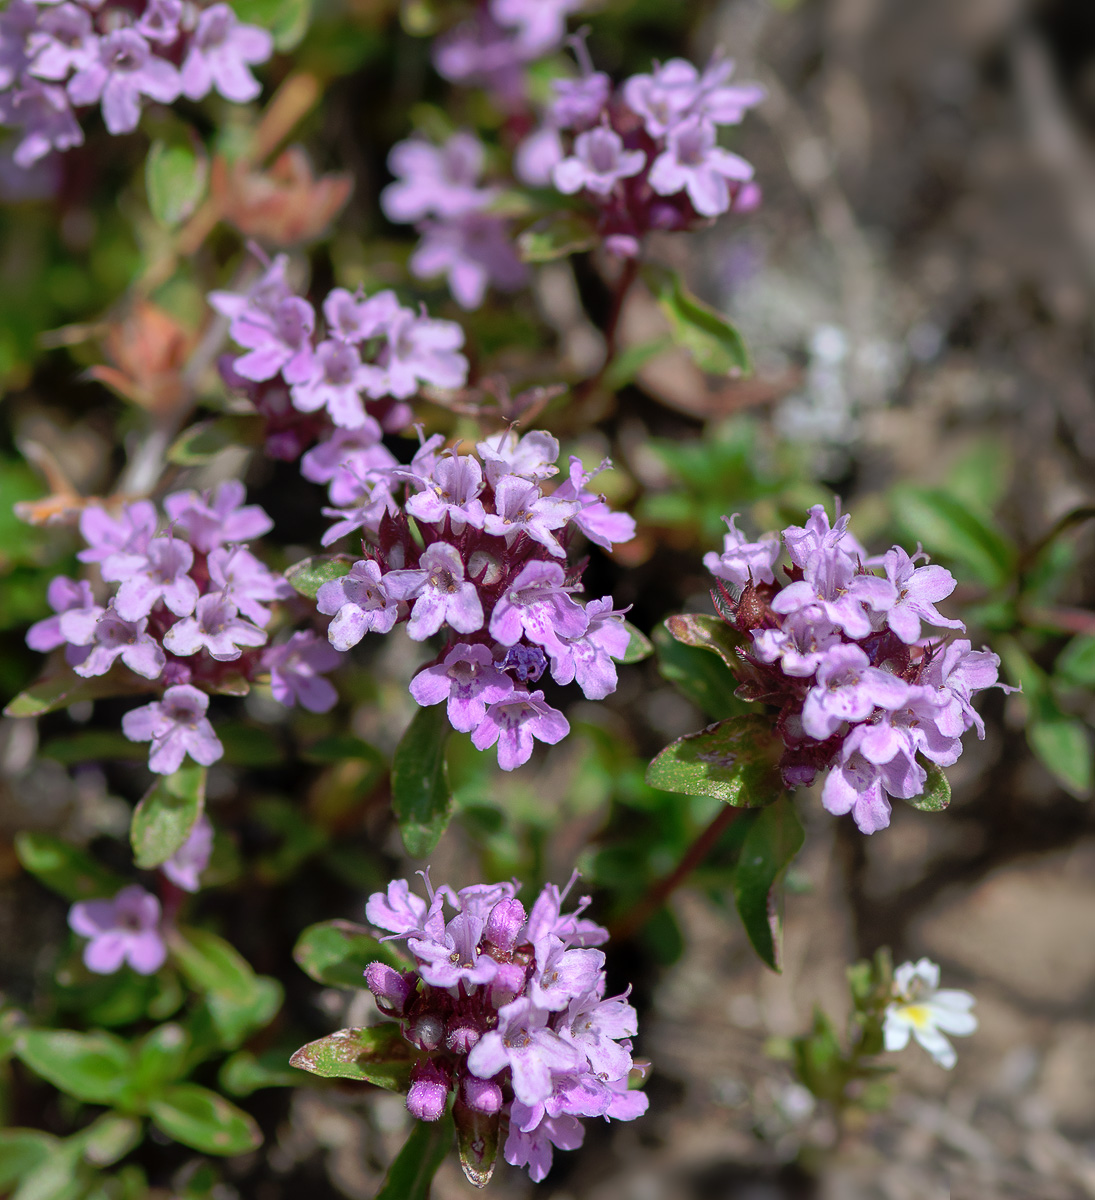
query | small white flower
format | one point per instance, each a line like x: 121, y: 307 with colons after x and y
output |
x: 919, y: 1007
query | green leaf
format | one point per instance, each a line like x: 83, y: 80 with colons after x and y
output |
x: 556, y: 236
x: 629, y: 362
x: 698, y: 675
x: 937, y: 791
x: 378, y: 1054
x: 706, y: 334
x: 953, y: 529
x: 706, y: 633
x: 90, y: 1066
x: 477, y: 1143
x: 210, y: 964
x: 166, y: 815
x: 236, y: 1019
x: 109, y: 1138
x: 410, y: 1176
x: 1063, y: 745
x: 638, y: 648
x: 22, y: 1151
x: 71, y: 872
x: 287, y: 20
x: 204, y: 1121
x: 243, y: 1074
x: 774, y: 837
x: 340, y: 747
x: 336, y: 953
x: 175, y: 177
x: 201, y: 442
x: 1076, y: 663
x: 161, y: 1059
x: 735, y: 761
x: 310, y: 574
x: 421, y: 797
x: 61, y: 687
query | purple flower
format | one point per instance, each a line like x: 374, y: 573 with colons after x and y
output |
x: 348, y: 460
x: 531, y: 456
x: 376, y: 502
x: 337, y: 378
x: 398, y: 910
x: 473, y: 251
x: 536, y: 605
x: 129, y: 534
x: 176, y: 726
x: 125, y: 929
x: 859, y: 786
x: 531, y: 1145
x: 595, y: 1027
x: 595, y: 519
x: 219, y: 54
x: 540, y: 24
x: 420, y: 349
x: 956, y: 673
x: 514, y: 722
x: 280, y: 341
x: 917, y: 590
x: 468, y: 679
x: 579, y: 103
x: 440, y: 593
x: 833, y: 585
x: 563, y: 975
x: 359, y: 602
x: 664, y: 97
x: 520, y: 507
x: 743, y: 562
x: 110, y: 637
x: 160, y: 573
x: 64, y: 595
x: 210, y: 521
x: 216, y: 627
x: 598, y: 163
x: 848, y: 689
x: 352, y: 318
x: 296, y: 672
x: 46, y: 118
x: 523, y: 1043
x: 185, y: 866
x: 451, y: 487
x: 692, y: 162
x: 126, y: 70
x: 160, y: 21
x: 64, y: 41
x: 480, y: 52
x: 248, y: 583
x: 435, y: 180
x: 428, y: 1092
x: 800, y: 644
x: 588, y: 659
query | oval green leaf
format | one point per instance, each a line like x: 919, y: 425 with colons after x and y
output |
x: 707, y: 335
x: 774, y: 837
x: 336, y: 953
x: 378, y: 1055
x: 735, y: 761
x: 166, y: 815
x: 175, y: 178
x: 201, y: 1119
x: 90, y: 1066
x: 421, y: 797
x: 71, y: 872
x: 310, y: 574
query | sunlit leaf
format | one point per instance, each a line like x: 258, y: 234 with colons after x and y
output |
x: 309, y: 575
x: 90, y: 1066
x: 203, y: 441
x: 166, y: 815
x: 706, y: 334
x: 735, y: 761
x: 60, y: 866
x: 336, y: 953
x: 199, y: 1118
x: 556, y: 236
x: 175, y: 178
x: 379, y: 1055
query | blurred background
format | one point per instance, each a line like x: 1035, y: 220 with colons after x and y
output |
x: 918, y: 294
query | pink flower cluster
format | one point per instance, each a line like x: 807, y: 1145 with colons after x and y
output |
x: 54, y: 56
x: 491, y: 567
x: 508, y: 1011
x: 129, y: 927
x: 189, y: 611
x: 840, y: 649
x: 438, y: 187
x: 375, y: 350
x: 646, y: 155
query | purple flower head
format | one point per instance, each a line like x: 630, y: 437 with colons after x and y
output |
x: 125, y: 70
x: 536, y: 605
x: 159, y: 574
x: 563, y: 975
x: 110, y: 638
x: 437, y: 181
x: 451, y: 487
x: 391, y: 988
x: 185, y: 866
x: 208, y: 521
x: 800, y: 644
x: 842, y: 593
x: 64, y: 595
x: 956, y: 673
x: 725, y: 104
x: 540, y: 25
x: 531, y: 1145
x: 523, y: 1044
x: 216, y: 627
x: 917, y: 590
x: 420, y: 350
x: 260, y: 301
x: 743, y: 562
x: 473, y: 251
x: 514, y: 722
x: 246, y: 582
x: 398, y: 910
x: 468, y: 679
x: 861, y: 787
x: 123, y: 930
x: 848, y: 689
x: 579, y: 103
x: 595, y: 519
x: 129, y: 534
x: 220, y: 54
x: 176, y: 726
x: 521, y: 507
x: 296, y: 671
x: 279, y: 341
x: 693, y: 163
x: 598, y: 163
x: 359, y: 603
x: 440, y: 593
x: 337, y: 378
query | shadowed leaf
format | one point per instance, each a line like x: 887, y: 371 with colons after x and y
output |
x: 336, y: 953
x: 410, y: 1176
x: 421, y: 797
x: 774, y: 837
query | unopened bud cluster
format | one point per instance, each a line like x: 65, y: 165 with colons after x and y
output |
x: 839, y: 650
x: 507, y: 1014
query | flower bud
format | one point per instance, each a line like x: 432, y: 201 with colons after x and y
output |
x: 462, y: 1034
x: 482, y: 1095
x: 428, y: 1092
x: 391, y: 988
x: 504, y: 925
x: 491, y: 568
x: 507, y: 984
x: 426, y: 1031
